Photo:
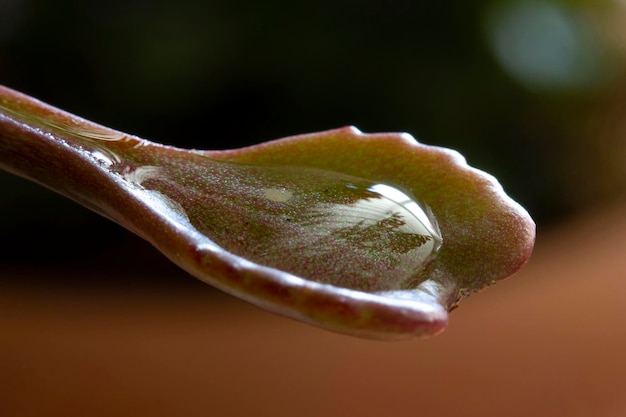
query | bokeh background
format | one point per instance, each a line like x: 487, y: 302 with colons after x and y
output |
x: 93, y: 321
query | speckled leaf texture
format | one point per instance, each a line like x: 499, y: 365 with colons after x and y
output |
x: 202, y: 210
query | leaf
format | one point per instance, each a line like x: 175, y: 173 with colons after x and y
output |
x: 373, y: 235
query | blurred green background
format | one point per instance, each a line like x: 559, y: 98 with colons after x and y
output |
x: 529, y: 91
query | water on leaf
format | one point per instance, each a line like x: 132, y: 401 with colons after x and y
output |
x: 319, y: 225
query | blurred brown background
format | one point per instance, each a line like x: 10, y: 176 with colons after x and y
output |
x: 94, y: 322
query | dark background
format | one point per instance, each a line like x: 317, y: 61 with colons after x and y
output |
x: 528, y: 91
x: 94, y: 322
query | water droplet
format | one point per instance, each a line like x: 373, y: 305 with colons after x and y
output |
x: 319, y: 225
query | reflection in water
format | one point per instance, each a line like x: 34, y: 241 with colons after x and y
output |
x: 388, y: 220
x: 384, y: 230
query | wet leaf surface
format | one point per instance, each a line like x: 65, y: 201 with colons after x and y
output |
x: 373, y: 235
